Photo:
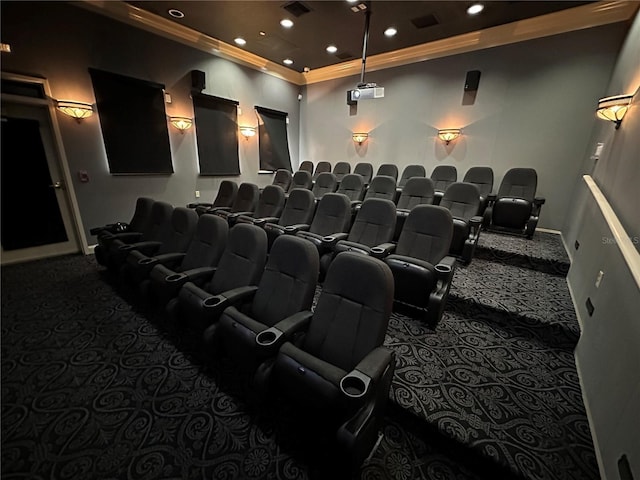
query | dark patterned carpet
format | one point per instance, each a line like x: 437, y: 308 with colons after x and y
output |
x: 94, y: 387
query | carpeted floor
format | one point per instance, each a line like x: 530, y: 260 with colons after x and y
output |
x: 94, y: 387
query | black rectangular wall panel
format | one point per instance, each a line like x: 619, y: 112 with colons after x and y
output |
x: 274, y: 143
x: 133, y: 122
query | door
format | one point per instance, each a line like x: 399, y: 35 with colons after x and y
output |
x: 36, y: 219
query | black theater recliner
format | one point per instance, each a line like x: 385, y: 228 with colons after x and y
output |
x: 245, y: 203
x: 442, y: 176
x: 224, y: 198
x: 333, y: 214
x: 515, y: 209
x: 417, y: 191
x: 197, y: 307
x: 196, y: 265
x: 269, y: 209
x: 463, y: 201
x: 172, y: 243
x: 421, y: 265
x: 252, y: 330
x: 339, y: 375
x: 107, y: 233
x: 325, y: 183
x: 297, y: 215
x: 482, y: 177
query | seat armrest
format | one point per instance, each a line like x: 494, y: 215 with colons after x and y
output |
x: 446, y: 266
x: 475, y: 221
x: 128, y: 237
x: 284, y: 329
x: 148, y: 248
x: 238, y: 294
x: 382, y: 250
x: 355, y: 203
x: 170, y: 259
x: 238, y: 214
x: 356, y: 383
x: 537, y: 205
x: 300, y: 227
x: 539, y: 200
x: 199, y: 204
x: 329, y: 241
x: 264, y: 220
x: 196, y: 275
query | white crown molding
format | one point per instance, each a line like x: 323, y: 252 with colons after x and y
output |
x: 578, y: 18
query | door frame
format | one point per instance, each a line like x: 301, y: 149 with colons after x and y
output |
x: 49, y: 103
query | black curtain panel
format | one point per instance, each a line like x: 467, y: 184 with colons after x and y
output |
x: 272, y: 136
x: 133, y: 122
x: 217, y: 134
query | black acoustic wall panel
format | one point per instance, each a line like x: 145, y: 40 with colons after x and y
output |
x: 273, y: 140
x: 133, y: 122
x: 217, y: 133
x: 472, y: 81
x: 198, y: 82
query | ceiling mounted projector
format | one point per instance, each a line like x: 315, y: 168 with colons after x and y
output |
x: 364, y: 92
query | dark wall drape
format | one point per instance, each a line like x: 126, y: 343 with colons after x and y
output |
x: 273, y: 140
x: 216, y: 121
x: 133, y: 122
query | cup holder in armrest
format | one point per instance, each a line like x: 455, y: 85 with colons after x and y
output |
x: 328, y: 239
x: 355, y: 384
x: 268, y: 337
x: 442, y: 268
x: 146, y: 261
x: 214, y: 301
x: 175, y: 277
x: 290, y: 229
x: 377, y: 250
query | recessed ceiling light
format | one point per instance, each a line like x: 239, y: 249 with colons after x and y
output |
x: 287, y: 61
x: 286, y: 23
x: 332, y: 49
x: 240, y: 41
x: 175, y: 13
x: 390, y: 32
x: 262, y: 33
x: 475, y: 8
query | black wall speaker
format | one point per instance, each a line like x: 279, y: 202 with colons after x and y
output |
x: 197, y: 81
x: 472, y: 81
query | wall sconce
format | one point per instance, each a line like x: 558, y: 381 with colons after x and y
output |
x: 181, y: 123
x: 247, y: 132
x: 613, y: 108
x: 77, y: 110
x: 360, y: 137
x: 449, y: 134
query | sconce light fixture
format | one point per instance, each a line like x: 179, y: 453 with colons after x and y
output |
x: 449, y: 134
x: 247, y: 132
x: 613, y: 108
x: 360, y: 137
x: 77, y: 110
x: 181, y: 123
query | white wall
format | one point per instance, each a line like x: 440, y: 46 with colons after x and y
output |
x: 608, y: 353
x: 534, y: 107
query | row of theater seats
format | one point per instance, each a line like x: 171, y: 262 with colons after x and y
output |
x: 241, y: 300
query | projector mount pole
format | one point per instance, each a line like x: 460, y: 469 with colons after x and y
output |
x: 365, y: 40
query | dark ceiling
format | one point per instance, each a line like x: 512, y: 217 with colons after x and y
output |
x: 320, y: 23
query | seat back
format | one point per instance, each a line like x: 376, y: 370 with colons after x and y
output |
x: 411, y: 171
x: 417, y: 191
x: 207, y: 244
x: 226, y: 194
x: 321, y: 167
x: 141, y: 214
x: 282, y: 179
x: 301, y: 179
x: 443, y: 176
x: 333, y: 215
x: 375, y: 223
x: 389, y: 170
x: 299, y: 208
x: 177, y: 233
x: 271, y: 202
x: 288, y: 282
x: 307, y: 166
x: 243, y: 259
x: 326, y: 182
x: 381, y: 187
x: 426, y: 234
x: 158, y: 222
x: 365, y: 170
x: 462, y: 200
x: 352, y: 185
x: 519, y: 183
x: 341, y: 169
x: 247, y: 198
x: 482, y: 177
x: 353, y: 309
